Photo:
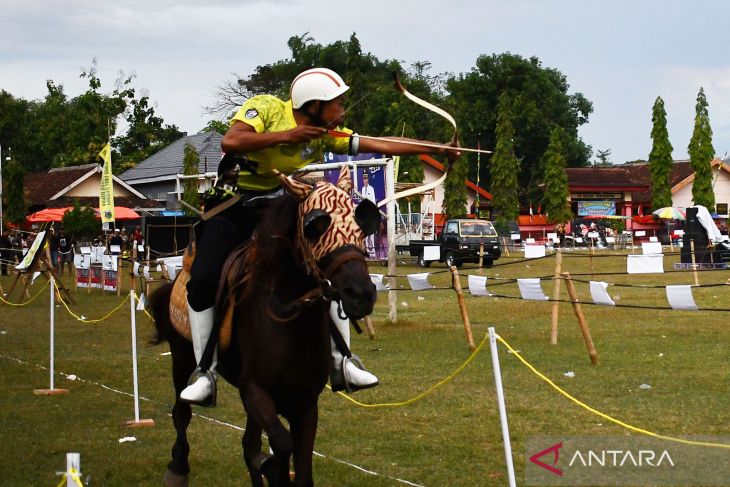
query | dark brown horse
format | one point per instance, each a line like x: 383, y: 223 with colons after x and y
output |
x: 306, y: 252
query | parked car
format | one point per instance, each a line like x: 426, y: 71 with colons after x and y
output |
x: 459, y: 243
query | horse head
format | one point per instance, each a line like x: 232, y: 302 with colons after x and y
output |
x: 331, y: 233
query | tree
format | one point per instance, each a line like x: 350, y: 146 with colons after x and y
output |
x: 454, y: 204
x: 216, y: 126
x: 191, y: 159
x: 504, y: 167
x: 80, y: 223
x: 14, y: 180
x: 602, y: 158
x: 660, y: 158
x: 555, y: 199
x: 60, y: 130
x: 540, y: 100
x: 701, y: 154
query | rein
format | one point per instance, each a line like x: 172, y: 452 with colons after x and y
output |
x: 324, y: 290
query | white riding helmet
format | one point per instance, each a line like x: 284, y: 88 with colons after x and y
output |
x: 316, y: 84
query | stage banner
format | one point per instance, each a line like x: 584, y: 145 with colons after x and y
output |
x: 596, y: 208
x: 376, y: 245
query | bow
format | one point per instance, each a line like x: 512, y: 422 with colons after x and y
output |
x: 438, y: 111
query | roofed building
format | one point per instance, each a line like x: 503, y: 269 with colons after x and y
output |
x: 60, y: 187
x: 156, y: 176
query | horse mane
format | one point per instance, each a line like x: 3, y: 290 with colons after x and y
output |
x: 270, y: 251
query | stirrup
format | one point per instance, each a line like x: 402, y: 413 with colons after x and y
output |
x: 339, y: 380
x: 210, y: 401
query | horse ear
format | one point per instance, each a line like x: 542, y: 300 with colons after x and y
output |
x: 296, y: 188
x: 344, y: 182
x: 315, y: 223
x: 367, y: 216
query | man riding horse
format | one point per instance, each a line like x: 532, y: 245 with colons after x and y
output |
x: 269, y: 135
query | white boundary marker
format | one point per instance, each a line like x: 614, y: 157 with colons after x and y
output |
x: 502, y: 407
x: 52, y: 318
x: 133, y: 315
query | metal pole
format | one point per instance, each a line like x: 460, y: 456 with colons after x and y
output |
x: 53, y: 319
x: 133, y: 311
x: 390, y: 210
x: 502, y: 407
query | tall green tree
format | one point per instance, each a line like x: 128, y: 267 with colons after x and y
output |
x: 504, y: 167
x: 13, y: 180
x: 660, y: 157
x: 455, y: 191
x: 701, y: 154
x: 191, y: 160
x: 540, y: 100
x: 555, y: 198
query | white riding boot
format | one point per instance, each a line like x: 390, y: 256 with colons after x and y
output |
x: 201, y: 387
x: 348, y: 373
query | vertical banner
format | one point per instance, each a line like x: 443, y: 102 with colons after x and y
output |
x: 369, y: 183
x: 106, y: 189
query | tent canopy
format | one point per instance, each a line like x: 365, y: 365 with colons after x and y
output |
x: 56, y: 214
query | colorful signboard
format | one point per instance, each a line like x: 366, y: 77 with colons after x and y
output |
x: 596, y: 208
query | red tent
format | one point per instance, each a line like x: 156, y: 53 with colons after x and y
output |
x: 56, y: 214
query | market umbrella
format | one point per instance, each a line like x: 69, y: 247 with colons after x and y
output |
x: 669, y: 213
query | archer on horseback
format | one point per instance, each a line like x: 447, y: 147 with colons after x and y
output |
x: 268, y: 135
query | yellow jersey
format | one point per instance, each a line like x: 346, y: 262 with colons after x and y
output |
x: 266, y: 113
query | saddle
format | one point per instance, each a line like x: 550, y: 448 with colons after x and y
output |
x: 179, y: 300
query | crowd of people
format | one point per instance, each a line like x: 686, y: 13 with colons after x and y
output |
x: 15, y: 243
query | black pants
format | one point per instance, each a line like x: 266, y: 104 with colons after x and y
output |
x: 219, y: 237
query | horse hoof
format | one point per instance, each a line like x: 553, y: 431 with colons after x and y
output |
x: 171, y: 479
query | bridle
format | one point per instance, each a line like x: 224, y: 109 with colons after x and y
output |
x: 325, y: 291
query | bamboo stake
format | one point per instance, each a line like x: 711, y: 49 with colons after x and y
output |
x: 462, y: 308
x: 481, y: 257
x: 369, y: 327
x: 556, y: 297
x: 581, y: 319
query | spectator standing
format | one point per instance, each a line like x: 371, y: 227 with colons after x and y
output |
x: 67, y: 253
x: 6, y: 252
x: 116, y: 240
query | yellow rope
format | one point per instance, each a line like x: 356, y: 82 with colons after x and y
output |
x: 426, y: 392
x: 138, y: 299
x: 85, y: 320
x: 75, y: 476
x: 604, y: 415
x: 27, y: 302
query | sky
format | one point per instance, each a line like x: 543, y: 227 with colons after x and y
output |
x: 620, y: 54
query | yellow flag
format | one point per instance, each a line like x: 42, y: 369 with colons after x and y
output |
x: 106, y: 188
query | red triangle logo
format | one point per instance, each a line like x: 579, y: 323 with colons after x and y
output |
x: 555, y: 449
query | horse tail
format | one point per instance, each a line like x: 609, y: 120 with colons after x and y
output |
x: 159, y: 303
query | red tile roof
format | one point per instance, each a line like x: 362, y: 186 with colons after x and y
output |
x: 39, y: 187
x: 437, y: 165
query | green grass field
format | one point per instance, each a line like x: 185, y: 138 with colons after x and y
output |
x: 450, y: 437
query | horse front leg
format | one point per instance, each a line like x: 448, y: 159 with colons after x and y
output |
x: 260, y: 407
x: 183, y: 363
x: 179, y: 468
x: 252, y: 454
x: 303, y: 431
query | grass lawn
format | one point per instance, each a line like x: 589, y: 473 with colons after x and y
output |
x: 450, y: 437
